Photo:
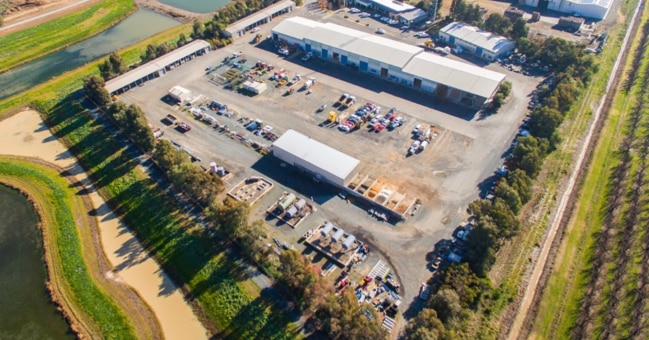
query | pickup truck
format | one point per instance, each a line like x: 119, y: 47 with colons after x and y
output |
x: 171, y: 119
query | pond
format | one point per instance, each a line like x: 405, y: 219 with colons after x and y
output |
x: 27, y: 312
x: 140, y: 25
x: 197, y: 6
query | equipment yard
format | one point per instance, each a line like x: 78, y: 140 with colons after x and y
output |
x: 462, y: 149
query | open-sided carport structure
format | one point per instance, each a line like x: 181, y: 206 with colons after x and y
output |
x: 157, y: 67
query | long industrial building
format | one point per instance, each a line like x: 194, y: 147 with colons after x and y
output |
x: 239, y: 28
x: 392, y: 60
x: 157, y: 67
x: 596, y: 9
x: 473, y: 40
x: 323, y: 162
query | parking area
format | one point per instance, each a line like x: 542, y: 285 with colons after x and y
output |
x: 466, y: 149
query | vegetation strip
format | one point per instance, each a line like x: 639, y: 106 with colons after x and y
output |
x: 564, y: 281
x: 91, y: 310
x: 26, y: 45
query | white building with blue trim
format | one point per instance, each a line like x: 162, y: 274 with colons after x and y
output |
x: 473, y: 40
x: 392, y: 60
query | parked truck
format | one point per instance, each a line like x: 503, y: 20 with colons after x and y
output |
x: 307, y: 85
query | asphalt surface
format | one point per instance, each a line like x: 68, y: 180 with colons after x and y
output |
x: 446, y: 176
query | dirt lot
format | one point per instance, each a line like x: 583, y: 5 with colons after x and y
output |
x: 445, y: 176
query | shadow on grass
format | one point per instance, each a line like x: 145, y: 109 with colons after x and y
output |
x: 180, y: 244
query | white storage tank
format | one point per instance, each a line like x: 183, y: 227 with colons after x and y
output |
x: 338, y: 235
x: 300, y: 204
x: 349, y: 241
x: 292, y: 211
x: 327, y: 228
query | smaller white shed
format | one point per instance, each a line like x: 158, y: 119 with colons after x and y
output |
x: 254, y: 86
x: 180, y: 94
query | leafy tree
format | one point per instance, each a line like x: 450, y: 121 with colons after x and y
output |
x: 505, y: 88
x: 426, y: 326
x: 464, y: 282
x: 94, y: 89
x: 149, y: 54
x: 481, y: 246
x: 498, y: 24
x: 504, y: 218
x: 182, y: 40
x: 344, y: 318
x: 531, y: 163
x: 117, y: 66
x: 446, y: 303
x: 544, y: 121
x: 166, y: 156
x: 519, y: 29
x: 197, y: 30
x: 295, y: 273
x: 232, y: 216
x: 522, y: 183
x: 509, y: 196
x: 567, y: 93
x: 529, y: 144
x: 162, y: 49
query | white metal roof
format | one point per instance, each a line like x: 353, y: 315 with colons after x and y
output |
x: 154, y: 65
x: 455, y: 74
x: 317, y: 154
x: 333, y: 35
x: 253, y: 18
x: 414, y: 14
x: 476, y: 36
x: 383, y: 50
x: 296, y: 27
x: 393, y: 5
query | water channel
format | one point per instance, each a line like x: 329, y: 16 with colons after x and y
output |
x: 140, y: 25
x: 197, y: 6
x: 27, y: 312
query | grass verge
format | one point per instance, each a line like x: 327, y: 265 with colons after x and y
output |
x: 560, y: 303
x: 226, y: 299
x: 91, y: 311
x: 32, y: 43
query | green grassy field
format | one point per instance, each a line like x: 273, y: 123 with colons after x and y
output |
x: 34, y: 42
x: 597, y: 226
x: 232, y: 304
x: 513, y: 258
x: 95, y: 309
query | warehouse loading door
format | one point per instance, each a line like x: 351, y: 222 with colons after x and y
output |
x: 363, y: 66
x: 343, y: 59
x: 384, y: 72
x: 417, y: 83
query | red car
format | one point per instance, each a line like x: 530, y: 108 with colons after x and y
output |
x: 184, y: 127
x: 378, y: 127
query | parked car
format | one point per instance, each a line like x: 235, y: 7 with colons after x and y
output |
x: 380, y: 31
x: 184, y: 127
x: 364, y: 15
x: 354, y: 10
x: 307, y: 56
x: 283, y: 51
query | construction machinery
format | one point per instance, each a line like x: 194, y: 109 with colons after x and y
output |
x: 332, y: 118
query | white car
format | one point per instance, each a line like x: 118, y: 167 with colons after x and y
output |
x: 354, y: 10
x: 254, y: 30
x: 283, y: 51
x: 380, y: 31
x: 377, y: 16
x: 364, y: 15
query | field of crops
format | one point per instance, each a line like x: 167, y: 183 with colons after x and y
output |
x: 599, y: 286
x: 93, y: 311
x: 29, y: 44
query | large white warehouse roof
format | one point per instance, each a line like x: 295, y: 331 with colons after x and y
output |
x: 333, y: 35
x: 474, y: 35
x: 383, y: 50
x: 455, y: 74
x: 410, y: 59
x: 296, y: 27
x: 319, y: 155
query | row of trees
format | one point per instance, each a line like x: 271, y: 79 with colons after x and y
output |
x: 341, y: 317
x: 496, y: 221
x: 131, y: 120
